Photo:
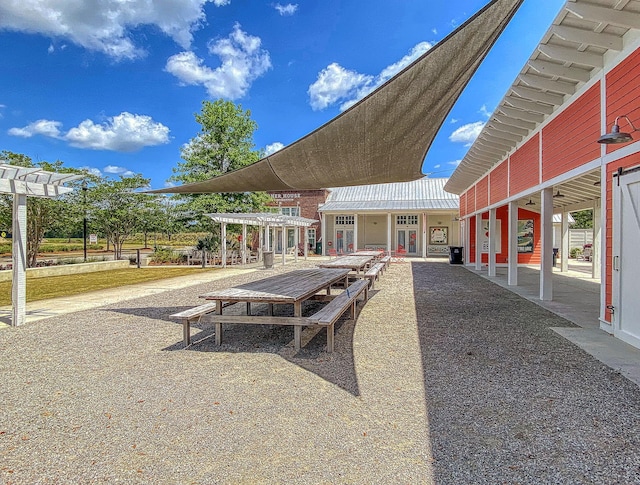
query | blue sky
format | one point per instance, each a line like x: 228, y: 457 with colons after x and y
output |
x: 113, y: 86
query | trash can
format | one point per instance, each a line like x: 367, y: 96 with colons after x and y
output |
x: 455, y: 254
x: 555, y: 256
x: 319, y: 247
x: 267, y: 256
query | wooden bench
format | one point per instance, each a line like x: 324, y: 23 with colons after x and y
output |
x: 374, y: 273
x: 330, y: 313
x: 386, y: 260
x: 325, y: 317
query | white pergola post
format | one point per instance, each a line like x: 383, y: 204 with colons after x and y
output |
x: 512, y: 277
x: 267, y: 239
x: 546, y: 239
x: 296, y: 241
x: 564, y: 249
x: 223, y: 242
x: 306, y: 242
x: 492, y: 242
x: 19, y: 254
x: 244, y: 244
x: 389, y: 233
x: 478, y: 241
x: 260, y: 242
x: 283, y: 244
x: 355, y: 233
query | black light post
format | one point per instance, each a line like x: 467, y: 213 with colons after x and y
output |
x: 84, y: 222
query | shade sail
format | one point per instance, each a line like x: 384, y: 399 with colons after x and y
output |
x: 384, y: 137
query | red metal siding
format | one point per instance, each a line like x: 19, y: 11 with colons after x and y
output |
x: 482, y: 193
x: 569, y: 141
x: 499, y: 178
x: 524, y: 169
x: 463, y: 205
x: 471, y: 200
x: 472, y: 239
x: 502, y: 257
x: 622, y: 95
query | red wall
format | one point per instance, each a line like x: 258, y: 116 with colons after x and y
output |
x: 471, y: 199
x: 498, y: 181
x: 463, y: 205
x: 622, y: 95
x: 482, y: 193
x: 569, y: 140
x: 524, y: 171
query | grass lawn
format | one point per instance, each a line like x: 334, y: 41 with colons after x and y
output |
x: 56, y: 286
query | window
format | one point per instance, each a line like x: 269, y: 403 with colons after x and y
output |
x: 311, y: 234
x: 407, y: 220
x: 344, y: 220
x: 290, y: 211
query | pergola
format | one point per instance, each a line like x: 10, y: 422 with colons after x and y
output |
x: 264, y: 220
x: 22, y: 182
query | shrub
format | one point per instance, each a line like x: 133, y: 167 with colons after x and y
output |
x: 166, y: 255
x: 575, y: 252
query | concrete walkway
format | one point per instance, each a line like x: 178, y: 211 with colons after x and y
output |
x: 576, y: 297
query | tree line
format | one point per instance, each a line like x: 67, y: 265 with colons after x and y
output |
x: 118, y: 208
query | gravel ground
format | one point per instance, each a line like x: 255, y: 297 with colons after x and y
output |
x: 444, y: 378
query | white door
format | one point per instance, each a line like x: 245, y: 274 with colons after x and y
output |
x: 407, y: 239
x: 626, y: 261
x: 344, y: 240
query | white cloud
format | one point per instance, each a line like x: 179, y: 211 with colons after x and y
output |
x: 41, y: 127
x: 436, y: 166
x: 125, y: 132
x: 484, y: 111
x: 336, y: 84
x: 288, y: 9
x: 105, y: 26
x: 92, y: 171
x: 243, y: 61
x: 272, y: 148
x: 468, y: 133
x: 114, y: 169
x: 453, y: 121
x: 455, y: 163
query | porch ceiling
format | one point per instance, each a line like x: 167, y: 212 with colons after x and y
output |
x: 569, y: 55
x: 575, y: 194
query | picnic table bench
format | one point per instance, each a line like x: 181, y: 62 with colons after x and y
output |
x: 294, y: 287
x: 374, y: 273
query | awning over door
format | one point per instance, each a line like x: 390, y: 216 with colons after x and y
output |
x: 385, y: 136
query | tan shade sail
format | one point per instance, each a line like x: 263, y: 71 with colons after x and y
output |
x: 384, y: 137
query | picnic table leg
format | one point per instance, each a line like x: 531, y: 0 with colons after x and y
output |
x: 218, y: 324
x: 297, y: 329
x: 270, y: 309
x: 186, y: 332
x: 248, y: 308
x: 330, y: 339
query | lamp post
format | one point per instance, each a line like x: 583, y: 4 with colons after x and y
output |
x: 84, y: 221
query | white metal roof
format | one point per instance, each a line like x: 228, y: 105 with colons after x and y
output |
x: 569, y: 55
x: 422, y: 194
x: 261, y: 219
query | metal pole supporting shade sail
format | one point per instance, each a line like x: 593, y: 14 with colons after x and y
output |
x: 385, y: 136
x: 616, y: 136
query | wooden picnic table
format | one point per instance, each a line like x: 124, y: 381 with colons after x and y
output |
x: 355, y: 263
x: 374, y: 254
x: 294, y: 288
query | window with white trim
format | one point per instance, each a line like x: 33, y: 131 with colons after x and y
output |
x: 407, y: 220
x: 311, y: 235
x: 344, y: 220
x: 290, y: 211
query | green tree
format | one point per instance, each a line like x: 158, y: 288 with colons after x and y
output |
x: 224, y: 144
x: 584, y: 219
x: 43, y: 214
x: 117, y: 210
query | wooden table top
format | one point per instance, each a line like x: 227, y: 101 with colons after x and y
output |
x: 355, y: 262
x: 375, y: 254
x: 283, y: 288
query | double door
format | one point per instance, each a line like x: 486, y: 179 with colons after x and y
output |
x: 407, y: 239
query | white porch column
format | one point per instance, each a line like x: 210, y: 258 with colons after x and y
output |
x: 597, y: 241
x: 467, y: 241
x: 546, y: 239
x: 355, y: 232
x: 512, y: 278
x: 283, y: 244
x: 296, y: 241
x: 564, y: 249
x: 389, y: 233
x: 478, y: 241
x: 19, y: 256
x: 306, y: 242
x: 323, y: 234
x: 492, y: 242
x: 424, y: 234
x: 244, y: 244
x: 223, y: 244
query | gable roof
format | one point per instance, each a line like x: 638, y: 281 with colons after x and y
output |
x: 419, y: 195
